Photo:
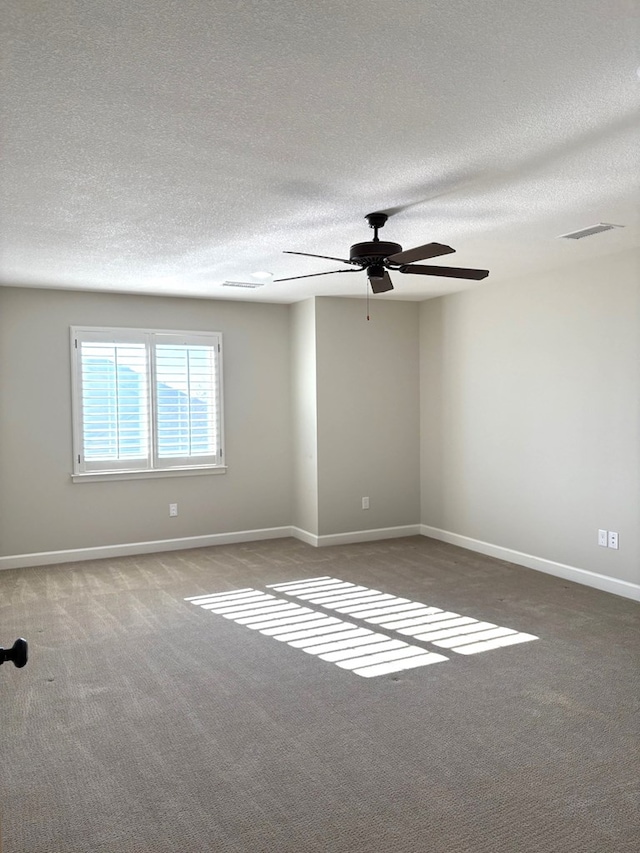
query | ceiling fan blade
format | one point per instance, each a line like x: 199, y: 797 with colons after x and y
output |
x: 447, y: 272
x: 381, y: 284
x: 311, y: 274
x: 420, y: 253
x: 327, y: 257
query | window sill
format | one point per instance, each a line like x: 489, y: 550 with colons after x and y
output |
x: 101, y: 477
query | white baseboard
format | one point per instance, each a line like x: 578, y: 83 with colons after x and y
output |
x: 74, y: 555
x: 571, y: 573
x: 560, y: 570
x: 305, y: 536
x: 355, y: 535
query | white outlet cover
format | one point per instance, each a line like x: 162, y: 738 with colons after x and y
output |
x: 602, y: 538
x: 613, y: 539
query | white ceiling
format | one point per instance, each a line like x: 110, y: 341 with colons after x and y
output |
x: 165, y: 146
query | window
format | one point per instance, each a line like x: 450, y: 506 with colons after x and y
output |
x: 146, y: 401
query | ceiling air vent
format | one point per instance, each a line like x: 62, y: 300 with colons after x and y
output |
x: 590, y: 231
x: 248, y: 285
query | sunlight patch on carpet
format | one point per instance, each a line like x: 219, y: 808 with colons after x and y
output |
x: 349, y: 646
x: 443, y: 628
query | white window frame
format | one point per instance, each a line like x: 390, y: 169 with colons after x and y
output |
x: 152, y: 465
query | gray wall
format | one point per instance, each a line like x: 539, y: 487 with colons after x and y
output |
x: 304, y: 416
x: 530, y: 427
x: 368, y: 414
x: 42, y: 510
x: 519, y: 401
x: 355, y: 417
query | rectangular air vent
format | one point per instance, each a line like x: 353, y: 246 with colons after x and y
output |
x: 249, y: 285
x: 590, y: 231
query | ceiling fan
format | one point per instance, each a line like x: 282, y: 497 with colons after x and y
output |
x: 378, y: 256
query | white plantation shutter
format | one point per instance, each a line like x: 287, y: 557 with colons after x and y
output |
x: 187, y: 410
x: 146, y: 400
x: 115, y: 404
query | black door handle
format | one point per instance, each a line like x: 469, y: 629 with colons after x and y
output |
x: 18, y: 653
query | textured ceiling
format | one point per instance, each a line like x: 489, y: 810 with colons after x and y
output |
x: 166, y: 146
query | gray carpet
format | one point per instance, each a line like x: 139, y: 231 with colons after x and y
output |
x: 144, y: 723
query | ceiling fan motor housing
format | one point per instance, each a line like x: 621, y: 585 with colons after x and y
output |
x: 373, y: 252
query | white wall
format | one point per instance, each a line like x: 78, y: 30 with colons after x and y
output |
x: 368, y: 414
x: 42, y: 510
x: 530, y: 421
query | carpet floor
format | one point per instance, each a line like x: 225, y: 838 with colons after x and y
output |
x: 205, y: 700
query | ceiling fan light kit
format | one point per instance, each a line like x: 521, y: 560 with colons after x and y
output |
x: 378, y: 256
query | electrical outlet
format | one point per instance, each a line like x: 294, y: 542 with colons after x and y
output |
x: 613, y: 539
x: 173, y: 510
x: 365, y: 503
x: 602, y: 538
